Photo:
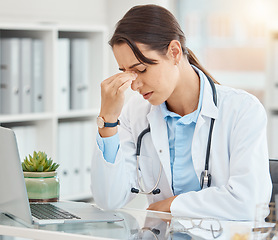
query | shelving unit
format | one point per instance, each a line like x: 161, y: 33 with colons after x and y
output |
x: 272, y: 92
x: 45, y: 127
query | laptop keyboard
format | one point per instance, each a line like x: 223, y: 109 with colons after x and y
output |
x: 49, y: 211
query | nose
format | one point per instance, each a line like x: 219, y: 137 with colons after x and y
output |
x: 136, y: 84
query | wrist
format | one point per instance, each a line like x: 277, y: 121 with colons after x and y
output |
x: 107, y: 132
x: 108, y: 117
x: 101, y: 123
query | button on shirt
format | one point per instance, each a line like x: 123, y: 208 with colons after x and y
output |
x: 180, y: 135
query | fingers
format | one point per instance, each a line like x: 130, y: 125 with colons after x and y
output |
x: 112, y: 93
x: 124, y: 86
x: 118, y: 83
x: 122, y: 81
x: 110, y: 79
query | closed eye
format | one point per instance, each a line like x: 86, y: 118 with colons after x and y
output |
x: 142, y: 70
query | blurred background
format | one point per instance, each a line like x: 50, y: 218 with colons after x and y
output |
x: 236, y: 41
x: 229, y: 37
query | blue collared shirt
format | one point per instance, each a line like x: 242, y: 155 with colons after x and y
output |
x: 180, y: 135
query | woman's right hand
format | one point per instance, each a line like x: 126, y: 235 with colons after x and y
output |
x: 112, y: 97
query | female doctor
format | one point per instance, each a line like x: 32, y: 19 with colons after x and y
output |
x: 205, y: 152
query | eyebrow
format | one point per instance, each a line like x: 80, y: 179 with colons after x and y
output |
x: 132, y: 66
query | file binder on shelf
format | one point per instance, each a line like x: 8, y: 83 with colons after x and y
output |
x: 10, y: 70
x: 26, y: 140
x: 26, y: 90
x: 75, y: 143
x: 38, y: 75
x: 77, y: 158
x: 89, y: 131
x: 80, y: 50
x: 64, y: 159
x: 63, y: 74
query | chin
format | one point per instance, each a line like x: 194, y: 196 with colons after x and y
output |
x: 155, y: 102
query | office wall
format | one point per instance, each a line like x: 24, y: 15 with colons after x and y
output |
x: 70, y: 11
x: 93, y: 12
x: 52, y: 11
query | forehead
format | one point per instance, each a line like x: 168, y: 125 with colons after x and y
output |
x: 125, y: 56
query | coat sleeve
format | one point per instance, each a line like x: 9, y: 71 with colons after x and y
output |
x: 111, y: 183
x: 249, y: 180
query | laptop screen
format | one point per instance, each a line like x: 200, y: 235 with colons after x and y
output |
x: 13, y: 194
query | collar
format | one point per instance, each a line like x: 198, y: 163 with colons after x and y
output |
x: 206, y: 106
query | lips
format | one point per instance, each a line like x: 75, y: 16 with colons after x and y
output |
x: 146, y: 96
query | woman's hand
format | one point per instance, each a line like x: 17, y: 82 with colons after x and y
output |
x: 112, y: 98
x: 162, y: 206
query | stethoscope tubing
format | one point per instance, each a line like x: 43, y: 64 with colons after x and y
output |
x: 142, y: 191
x: 211, y: 123
x: 139, y: 140
x: 205, y: 176
x: 138, y: 149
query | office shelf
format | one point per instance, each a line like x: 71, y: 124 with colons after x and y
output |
x: 78, y: 114
x: 31, y: 117
x: 66, y: 135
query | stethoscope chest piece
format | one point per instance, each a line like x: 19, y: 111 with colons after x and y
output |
x: 205, y: 179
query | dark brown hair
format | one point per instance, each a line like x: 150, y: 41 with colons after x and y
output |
x: 155, y: 27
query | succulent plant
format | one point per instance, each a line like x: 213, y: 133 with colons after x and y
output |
x: 38, y: 163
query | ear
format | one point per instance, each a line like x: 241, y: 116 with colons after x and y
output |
x: 175, y: 51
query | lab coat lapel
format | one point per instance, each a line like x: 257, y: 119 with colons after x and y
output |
x: 159, y: 133
x: 200, y: 137
x: 159, y: 136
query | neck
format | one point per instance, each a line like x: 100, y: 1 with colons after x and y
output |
x: 185, y: 98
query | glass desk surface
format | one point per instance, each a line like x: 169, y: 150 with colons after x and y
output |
x: 137, y: 224
x: 130, y: 228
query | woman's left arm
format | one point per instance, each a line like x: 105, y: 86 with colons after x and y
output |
x: 248, y: 181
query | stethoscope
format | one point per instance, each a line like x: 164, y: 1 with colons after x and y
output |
x: 205, y: 179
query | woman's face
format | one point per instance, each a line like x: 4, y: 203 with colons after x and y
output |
x: 156, y: 82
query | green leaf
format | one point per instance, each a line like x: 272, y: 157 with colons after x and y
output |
x: 31, y: 169
x: 23, y: 166
x: 40, y: 169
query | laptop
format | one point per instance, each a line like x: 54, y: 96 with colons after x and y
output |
x: 14, y: 199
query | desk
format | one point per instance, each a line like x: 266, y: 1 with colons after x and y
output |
x: 133, y: 221
x: 130, y: 228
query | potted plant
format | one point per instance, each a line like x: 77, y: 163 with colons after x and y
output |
x: 41, y: 178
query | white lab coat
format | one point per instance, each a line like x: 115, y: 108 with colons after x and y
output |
x: 238, y: 158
